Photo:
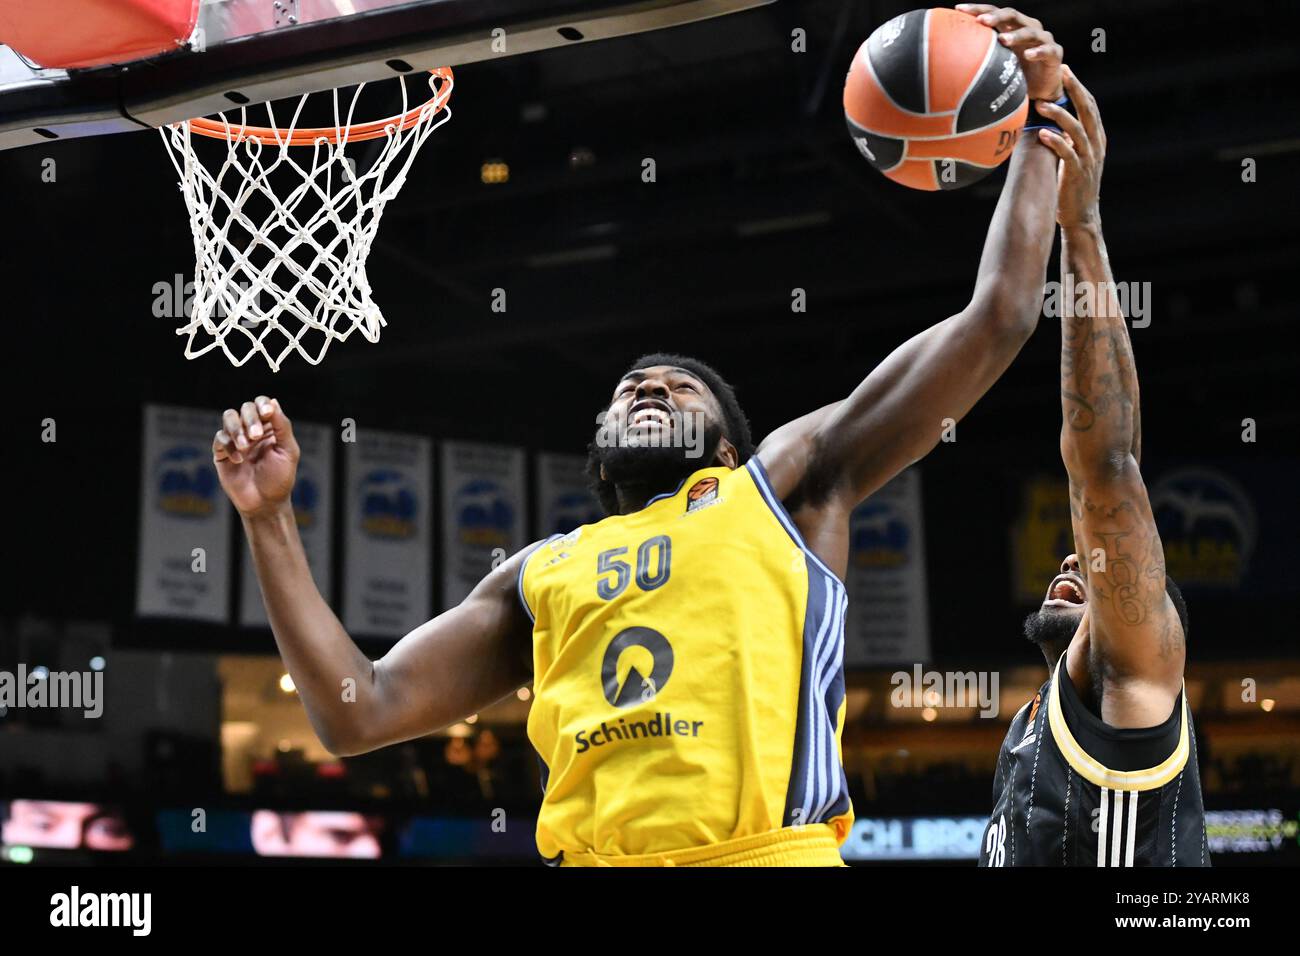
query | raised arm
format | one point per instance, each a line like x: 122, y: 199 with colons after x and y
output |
x: 450, y: 667
x: 847, y: 450
x: 1134, y: 630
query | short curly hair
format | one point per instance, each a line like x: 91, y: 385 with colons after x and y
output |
x: 735, y: 426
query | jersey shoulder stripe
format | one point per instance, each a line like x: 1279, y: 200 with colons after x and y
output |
x: 523, y: 566
x: 769, y: 494
x: 1092, y: 770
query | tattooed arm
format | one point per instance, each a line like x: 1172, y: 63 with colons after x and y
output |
x: 1135, y: 640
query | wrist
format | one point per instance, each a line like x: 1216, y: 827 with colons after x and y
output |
x: 1086, y: 227
x: 269, y: 515
x: 1036, y: 120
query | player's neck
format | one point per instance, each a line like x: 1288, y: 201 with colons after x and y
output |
x: 634, y: 496
x: 1052, y: 652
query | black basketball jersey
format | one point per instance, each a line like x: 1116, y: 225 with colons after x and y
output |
x: 1070, y: 790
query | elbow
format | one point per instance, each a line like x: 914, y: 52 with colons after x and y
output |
x: 1096, y: 462
x: 1012, y: 316
x: 335, y: 745
x: 342, y: 747
x: 342, y: 741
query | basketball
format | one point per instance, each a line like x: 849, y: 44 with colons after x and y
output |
x: 933, y: 101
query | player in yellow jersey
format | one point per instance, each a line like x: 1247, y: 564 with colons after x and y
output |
x: 686, y: 651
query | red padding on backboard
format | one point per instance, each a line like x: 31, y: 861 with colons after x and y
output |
x: 80, y: 33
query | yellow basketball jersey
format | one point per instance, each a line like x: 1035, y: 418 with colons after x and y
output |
x: 688, y: 679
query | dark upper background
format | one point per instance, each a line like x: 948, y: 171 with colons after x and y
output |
x: 759, y: 191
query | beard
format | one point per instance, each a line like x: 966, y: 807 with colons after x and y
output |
x: 656, y: 468
x: 1052, y: 628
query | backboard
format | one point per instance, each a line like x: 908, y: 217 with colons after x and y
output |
x: 252, y: 51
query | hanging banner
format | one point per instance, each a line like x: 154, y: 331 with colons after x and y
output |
x: 313, y: 496
x: 183, y: 561
x: 484, y: 518
x: 564, y: 499
x: 1208, y: 513
x: 1208, y: 520
x: 1041, y: 537
x: 388, y: 525
x: 888, y: 618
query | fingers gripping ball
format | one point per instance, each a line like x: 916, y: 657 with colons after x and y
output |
x: 933, y: 101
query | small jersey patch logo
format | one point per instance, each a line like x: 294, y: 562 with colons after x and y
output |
x: 566, y: 540
x: 702, y: 494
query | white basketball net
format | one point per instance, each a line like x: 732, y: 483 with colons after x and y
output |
x: 282, y: 230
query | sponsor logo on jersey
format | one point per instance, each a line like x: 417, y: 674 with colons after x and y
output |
x: 566, y: 540
x: 657, y: 725
x: 702, y: 494
x: 633, y: 687
x: 629, y: 687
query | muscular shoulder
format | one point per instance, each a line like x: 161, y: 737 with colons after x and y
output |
x: 500, y: 586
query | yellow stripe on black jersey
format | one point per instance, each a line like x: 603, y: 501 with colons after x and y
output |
x: 1094, y: 771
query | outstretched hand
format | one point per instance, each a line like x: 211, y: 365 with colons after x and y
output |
x: 1037, y: 50
x: 1081, y: 146
x: 256, y: 456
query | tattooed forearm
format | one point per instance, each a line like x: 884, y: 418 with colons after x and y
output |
x: 1079, y: 415
x: 1098, y: 381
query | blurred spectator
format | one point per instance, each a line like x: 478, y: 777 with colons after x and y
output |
x: 487, y: 748
x: 316, y: 834
x: 60, y: 825
x: 456, y: 785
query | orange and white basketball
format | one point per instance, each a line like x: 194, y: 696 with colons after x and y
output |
x: 933, y: 101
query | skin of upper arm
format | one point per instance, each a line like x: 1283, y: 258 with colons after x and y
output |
x: 896, y: 415
x: 461, y: 661
x: 786, y: 452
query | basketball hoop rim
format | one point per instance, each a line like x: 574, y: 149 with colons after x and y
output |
x: 353, y: 133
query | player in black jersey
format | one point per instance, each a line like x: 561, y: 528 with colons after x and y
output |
x: 1099, y: 769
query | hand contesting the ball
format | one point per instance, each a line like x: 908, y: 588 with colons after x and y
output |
x: 256, y: 457
x: 1039, y: 54
x: 1081, y: 145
